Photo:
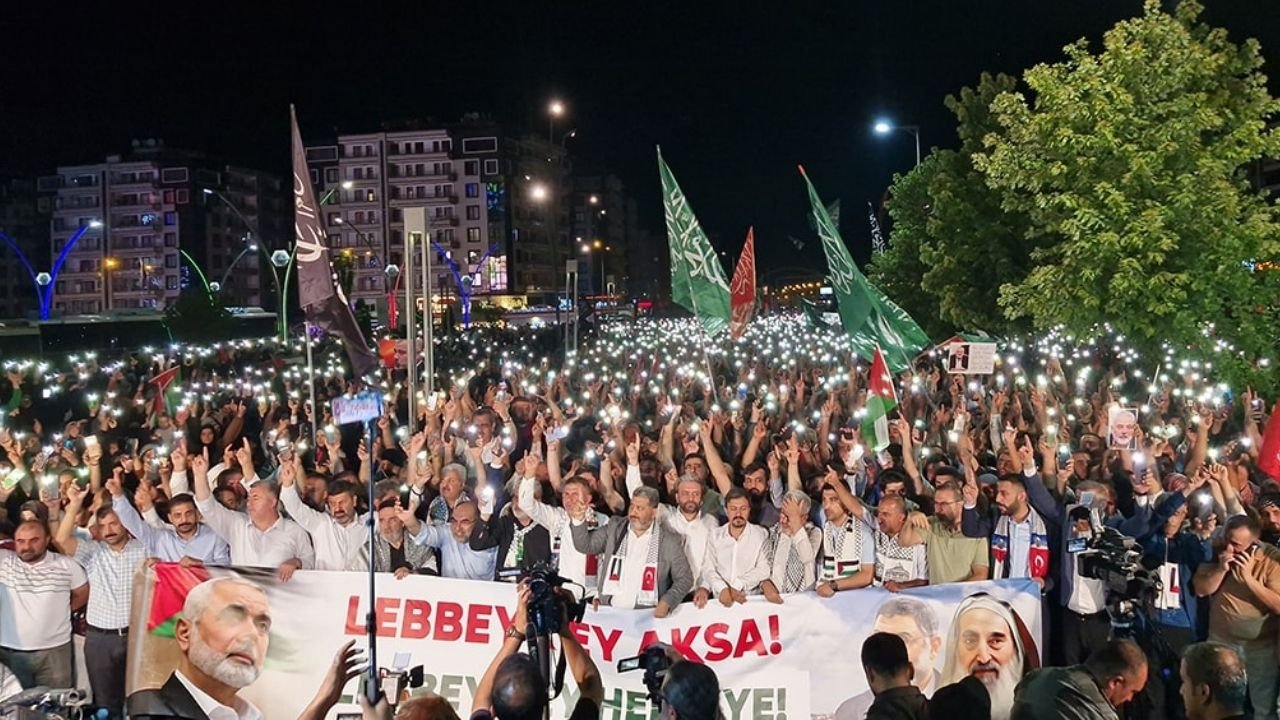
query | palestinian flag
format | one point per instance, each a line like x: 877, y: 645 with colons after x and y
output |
x: 881, y: 402
x: 162, y: 383
x: 172, y: 583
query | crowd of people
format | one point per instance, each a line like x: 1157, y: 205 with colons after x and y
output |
x: 656, y: 470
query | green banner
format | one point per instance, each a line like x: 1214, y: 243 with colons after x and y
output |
x: 866, y: 314
x: 698, y: 282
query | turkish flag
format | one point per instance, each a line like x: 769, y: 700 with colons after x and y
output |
x: 1269, y: 453
x: 742, y: 291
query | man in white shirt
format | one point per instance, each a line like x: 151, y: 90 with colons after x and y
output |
x: 848, y: 546
x: 224, y: 633
x: 453, y: 542
x: 735, y: 564
x: 686, y: 519
x: 792, y: 549
x: 38, y: 592
x: 110, y: 564
x: 260, y: 537
x: 575, y: 498
x: 335, y: 535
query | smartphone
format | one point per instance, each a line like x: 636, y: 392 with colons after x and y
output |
x: 559, y: 432
x: 432, y: 400
x: 132, y: 446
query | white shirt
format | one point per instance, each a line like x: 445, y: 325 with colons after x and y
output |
x: 1088, y: 595
x: 738, y: 563
x: 251, y: 547
x: 214, y: 710
x: 35, y: 600
x: 695, y: 534
x: 1020, y: 548
x: 333, y: 543
x: 573, y: 564
x: 632, y: 569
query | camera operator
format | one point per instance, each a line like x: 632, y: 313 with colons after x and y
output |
x: 690, y: 691
x: 513, y: 688
x: 1243, y: 587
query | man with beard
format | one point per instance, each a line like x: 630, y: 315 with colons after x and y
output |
x: 792, y: 549
x: 223, y: 632
x: 1269, y: 511
x: 952, y: 557
x: 900, y: 560
x: 917, y: 625
x: 688, y: 519
x: 38, y: 591
x: 334, y: 535
x: 110, y: 564
x: 988, y: 640
x: 735, y: 563
x: 457, y: 558
x: 394, y: 552
x: 1112, y: 675
x: 763, y: 486
x: 184, y: 537
x: 645, y: 566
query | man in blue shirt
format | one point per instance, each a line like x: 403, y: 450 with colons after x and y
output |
x: 453, y: 541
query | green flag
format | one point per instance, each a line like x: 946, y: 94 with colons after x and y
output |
x: 698, y: 281
x: 866, y: 314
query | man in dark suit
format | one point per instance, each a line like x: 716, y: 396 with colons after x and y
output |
x: 223, y: 632
x: 644, y: 563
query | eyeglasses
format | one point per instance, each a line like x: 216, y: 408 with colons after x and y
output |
x: 457, y: 521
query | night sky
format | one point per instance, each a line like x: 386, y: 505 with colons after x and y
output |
x: 736, y: 93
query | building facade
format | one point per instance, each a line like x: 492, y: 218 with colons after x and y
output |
x: 160, y: 220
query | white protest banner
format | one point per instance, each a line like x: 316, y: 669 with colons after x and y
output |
x: 361, y: 407
x: 794, y: 660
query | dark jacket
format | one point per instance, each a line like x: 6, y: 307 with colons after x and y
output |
x: 500, y: 532
x: 1064, y: 693
x: 171, y: 701
x: 902, y: 703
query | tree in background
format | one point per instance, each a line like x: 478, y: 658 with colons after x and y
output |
x: 1131, y: 166
x: 196, y: 316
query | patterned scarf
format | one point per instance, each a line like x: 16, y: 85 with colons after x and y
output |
x: 515, y: 553
x: 793, y: 571
x: 655, y: 540
x: 1037, y: 554
x: 420, y: 557
x: 892, y: 559
x: 841, y: 549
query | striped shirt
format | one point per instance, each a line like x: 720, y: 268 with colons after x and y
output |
x: 35, y: 600
x: 110, y: 576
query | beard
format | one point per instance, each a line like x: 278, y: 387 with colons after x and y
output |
x: 1001, y: 687
x: 220, y: 667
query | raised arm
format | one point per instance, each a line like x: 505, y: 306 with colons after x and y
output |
x: 65, y: 537
x: 715, y: 464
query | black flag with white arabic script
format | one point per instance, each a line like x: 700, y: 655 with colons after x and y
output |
x: 321, y: 299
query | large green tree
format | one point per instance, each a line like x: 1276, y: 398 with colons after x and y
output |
x: 953, y: 242
x: 1130, y: 163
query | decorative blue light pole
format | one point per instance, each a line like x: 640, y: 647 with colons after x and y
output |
x: 43, y: 281
x: 464, y: 282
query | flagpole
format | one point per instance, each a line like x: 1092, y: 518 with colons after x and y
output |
x: 702, y: 331
x: 311, y: 384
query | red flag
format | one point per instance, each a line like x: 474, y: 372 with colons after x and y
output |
x: 162, y: 382
x: 742, y: 292
x: 1269, y: 453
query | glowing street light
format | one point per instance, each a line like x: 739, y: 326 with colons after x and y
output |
x: 538, y: 192
x: 556, y: 108
x: 884, y: 126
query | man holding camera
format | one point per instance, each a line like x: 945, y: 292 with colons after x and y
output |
x: 513, y: 688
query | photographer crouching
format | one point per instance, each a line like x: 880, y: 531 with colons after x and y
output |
x: 513, y: 687
x: 684, y: 690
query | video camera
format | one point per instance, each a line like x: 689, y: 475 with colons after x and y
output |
x: 655, y: 662
x: 549, y: 607
x: 42, y: 703
x: 1116, y: 560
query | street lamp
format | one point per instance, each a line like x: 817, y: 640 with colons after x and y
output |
x: 884, y: 127
x: 345, y: 185
x: 554, y: 110
x: 538, y: 192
